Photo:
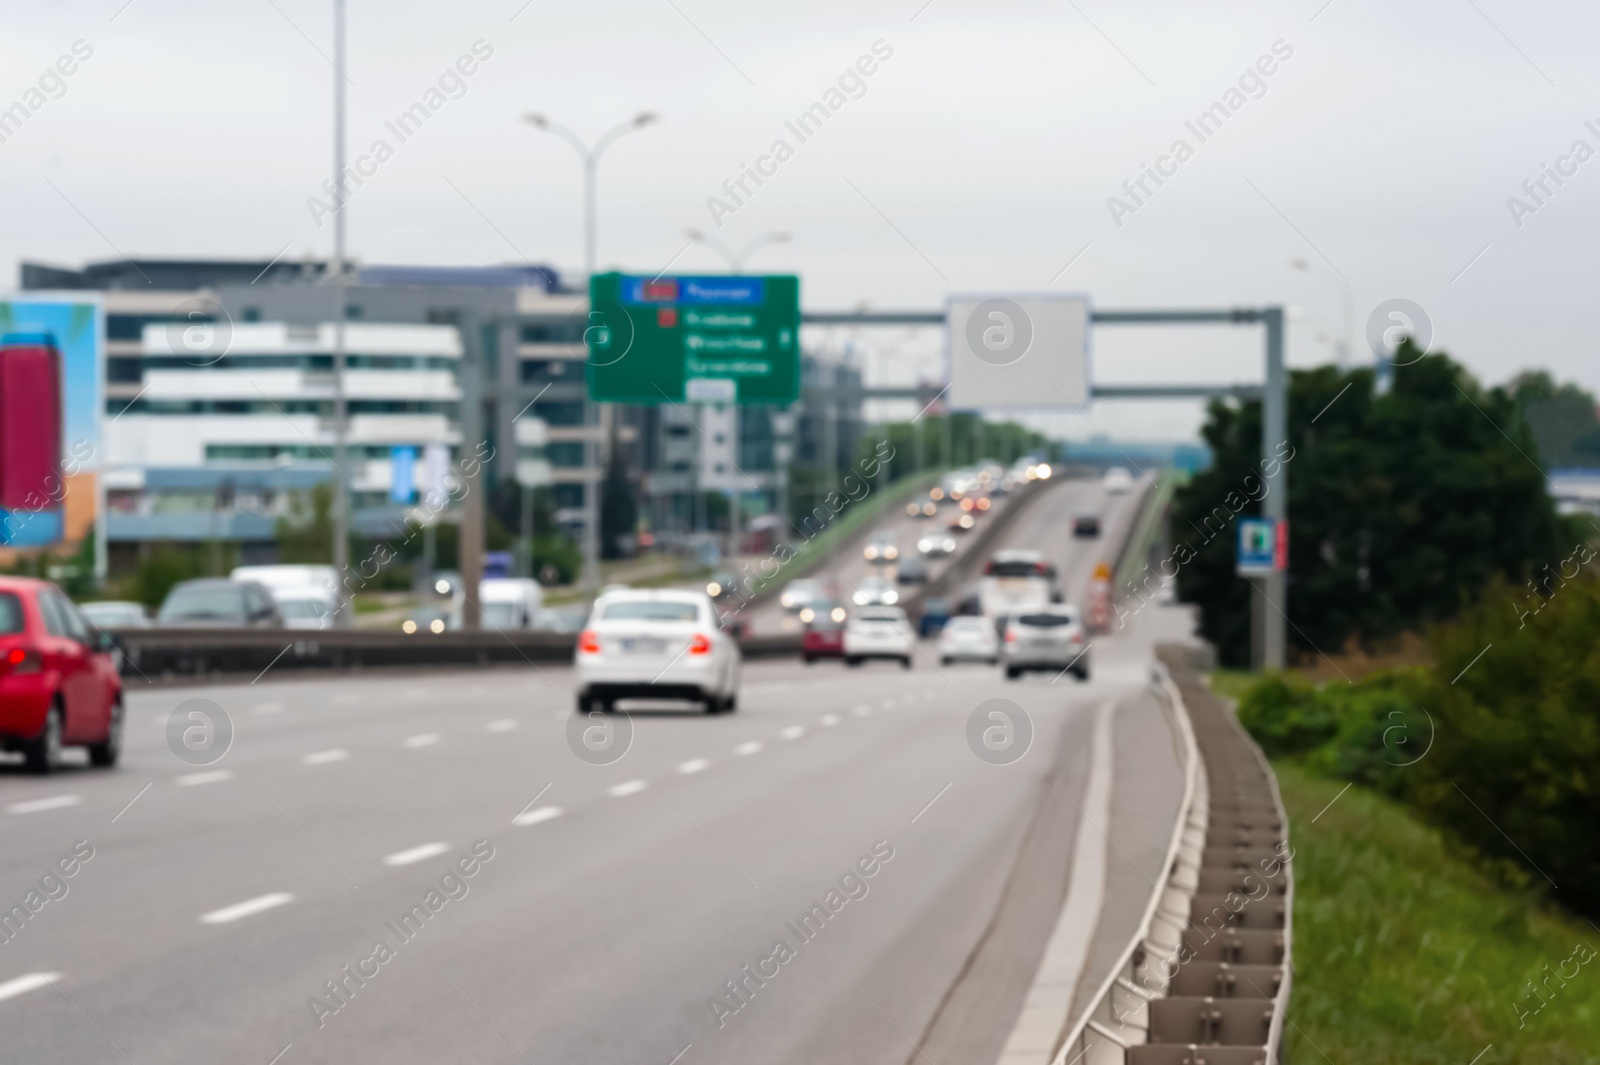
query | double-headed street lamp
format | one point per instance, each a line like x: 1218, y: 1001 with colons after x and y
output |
x: 736, y: 260
x: 593, y: 461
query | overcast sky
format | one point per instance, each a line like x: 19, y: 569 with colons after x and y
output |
x: 978, y: 157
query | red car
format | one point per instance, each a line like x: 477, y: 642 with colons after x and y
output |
x: 824, y: 632
x: 58, y: 685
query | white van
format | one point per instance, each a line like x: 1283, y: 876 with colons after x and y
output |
x: 510, y: 602
x: 323, y: 578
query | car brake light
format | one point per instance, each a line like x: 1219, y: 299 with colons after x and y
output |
x: 1041, y: 568
x: 1011, y: 636
x: 1077, y: 636
x: 589, y: 642
x: 23, y: 660
x: 699, y: 644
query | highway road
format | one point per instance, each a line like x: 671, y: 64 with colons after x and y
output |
x: 608, y: 906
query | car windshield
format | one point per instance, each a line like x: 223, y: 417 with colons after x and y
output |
x: 205, y: 601
x: 110, y: 613
x: 1046, y: 621
x: 302, y: 608
x: 650, y: 610
x: 502, y: 615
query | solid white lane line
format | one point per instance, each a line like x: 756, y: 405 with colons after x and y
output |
x: 505, y: 724
x: 336, y: 754
x: 33, y: 806
x: 627, y: 787
x: 210, y: 776
x: 426, y: 739
x: 21, y: 985
x: 829, y: 720
x: 793, y: 732
x: 694, y: 765
x: 748, y: 747
x: 533, y: 817
x: 416, y: 854
x: 247, y: 908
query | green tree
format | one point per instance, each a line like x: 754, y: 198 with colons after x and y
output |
x: 619, y: 507
x: 305, y: 534
x: 1561, y: 418
x: 1401, y: 506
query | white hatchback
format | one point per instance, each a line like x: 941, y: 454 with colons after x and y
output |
x: 966, y: 638
x: 879, y: 632
x: 656, y: 645
x: 1051, y: 638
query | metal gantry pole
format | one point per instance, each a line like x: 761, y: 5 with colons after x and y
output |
x: 1275, y: 432
x: 341, y: 495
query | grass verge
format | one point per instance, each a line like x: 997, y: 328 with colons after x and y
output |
x: 1406, y: 953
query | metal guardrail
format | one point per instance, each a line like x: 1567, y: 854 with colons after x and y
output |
x: 1206, y: 978
x: 165, y: 655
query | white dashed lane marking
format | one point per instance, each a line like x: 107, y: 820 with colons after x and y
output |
x: 534, y: 817
x: 627, y: 787
x: 210, y: 776
x: 748, y: 747
x: 793, y: 732
x: 505, y: 724
x: 829, y: 720
x: 426, y: 739
x: 336, y: 754
x: 34, y: 806
x: 862, y: 710
x: 21, y: 985
x: 694, y: 765
x: 416, y: 854
x: 247, y: 908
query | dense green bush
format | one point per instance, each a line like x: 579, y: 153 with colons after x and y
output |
x: 1498, y: 741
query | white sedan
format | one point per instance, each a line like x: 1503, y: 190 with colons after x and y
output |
x: 879, y: 632
x: 656, y: 645
x: 966, y: 638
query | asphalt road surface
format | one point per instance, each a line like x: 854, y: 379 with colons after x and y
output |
x: 608, y: 906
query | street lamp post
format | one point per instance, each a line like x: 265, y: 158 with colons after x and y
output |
x: 342, y: 614
x: 593, y: 459
x: 736, y: 260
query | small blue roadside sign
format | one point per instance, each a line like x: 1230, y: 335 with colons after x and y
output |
x: 1260, y: 552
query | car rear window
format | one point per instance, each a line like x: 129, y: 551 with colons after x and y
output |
x: 966, y: 624
x: 1046, y: 621
x: 878, y: 615
x: 218, y: 601
x: 10, y: 614
x: 651, y: 610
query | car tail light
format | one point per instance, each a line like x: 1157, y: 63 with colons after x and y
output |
x: 1011, y: 636
x: 589, y: 642
x: 1077, y: 635
x: 23, y: 660
x: 699, y: 644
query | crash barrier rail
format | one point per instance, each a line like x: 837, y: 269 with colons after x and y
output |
x: 1153, y: 505
x: 1205, y: 979
x: 158, y: 655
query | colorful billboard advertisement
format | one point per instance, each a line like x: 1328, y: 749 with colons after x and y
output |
x: 60, y: 336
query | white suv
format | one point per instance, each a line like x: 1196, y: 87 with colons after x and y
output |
x: 656, y: 645
x: 878, y: 632
x: 1050, y: 638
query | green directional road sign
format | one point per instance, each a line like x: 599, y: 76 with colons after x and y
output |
x: 722, y: 339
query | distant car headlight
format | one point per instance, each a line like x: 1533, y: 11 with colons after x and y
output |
x: 1044, y: 471
x: 860, y: 598
x: 871, y: 552
x: 408, y: 626
x: 441, y: 586
x: 713, y: 589
x: 808, y: 615
x: 837, y: 613
x: 436, y: 625
x: 929, y: 510
x: 891, y: 597
x: 891, y: 553
x: 786, y: 599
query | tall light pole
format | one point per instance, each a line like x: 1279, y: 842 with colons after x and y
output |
x: 1342, y: 345
x: 593, y: 459
x: 341, y: 496
x: 736, y: 260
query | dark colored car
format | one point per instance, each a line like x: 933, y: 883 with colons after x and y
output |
x: 935, y: 612
x: 58, y: 684
x: 1086, y: 526
x: 911, y: 571
x: 824, y: 631
x: 216, y: 602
